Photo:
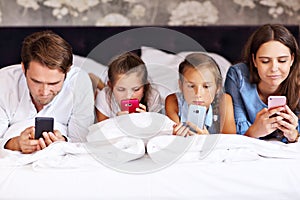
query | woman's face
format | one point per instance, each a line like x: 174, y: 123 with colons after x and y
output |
x: 273, y: 61
x: 198, y: 87
x: 128, y: 86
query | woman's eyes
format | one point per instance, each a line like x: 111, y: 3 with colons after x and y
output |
x: 280, y: 61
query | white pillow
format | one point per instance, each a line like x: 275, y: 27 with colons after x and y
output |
x: 163, y: 67
x: 91, y: 66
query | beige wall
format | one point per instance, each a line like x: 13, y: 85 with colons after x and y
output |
x: 148, y: 12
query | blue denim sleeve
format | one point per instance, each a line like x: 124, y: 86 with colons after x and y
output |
x: 233, y: 83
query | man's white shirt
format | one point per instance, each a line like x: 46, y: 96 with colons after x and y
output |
x: 72, y: 108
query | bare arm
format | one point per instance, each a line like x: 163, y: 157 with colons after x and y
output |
x: 227, y: 115
x: 100, y: 116
x: 171, y: 106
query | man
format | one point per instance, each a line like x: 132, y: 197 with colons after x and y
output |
x: 44, y: 85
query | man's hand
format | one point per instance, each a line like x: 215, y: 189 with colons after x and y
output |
x: 50, y: 137
x: 25, y: 142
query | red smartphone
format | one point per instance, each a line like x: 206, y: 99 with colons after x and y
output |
x: 276, y: 101
x: 129, y: 105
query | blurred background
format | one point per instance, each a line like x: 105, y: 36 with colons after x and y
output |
x: 145, y: 12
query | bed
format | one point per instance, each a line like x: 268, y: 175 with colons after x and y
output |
x: 116, y: 164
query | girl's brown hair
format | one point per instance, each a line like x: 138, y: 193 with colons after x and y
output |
x: 127, y: 63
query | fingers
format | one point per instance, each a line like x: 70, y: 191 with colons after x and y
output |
x: 199, y: 131
x: 291, y: 135
x: 287, y: 122
x: 26, y: 142
x: 122, y: 113
x: 180, y: 130
x: 142, y: 108
x: 49, y: 138
x: 188, y: 129
x: 275, y: 111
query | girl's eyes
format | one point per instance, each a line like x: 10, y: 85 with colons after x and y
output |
x: 136, y: 89
x: 204, y: 86
x: 191, y: 86
x: 120, y: 89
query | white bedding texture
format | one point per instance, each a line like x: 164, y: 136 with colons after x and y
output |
x: 116, y: 164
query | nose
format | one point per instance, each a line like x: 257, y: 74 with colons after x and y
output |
x: 198, y: 91
x: 44, y: 89
x: 275, y: 65
x: 129, y: 94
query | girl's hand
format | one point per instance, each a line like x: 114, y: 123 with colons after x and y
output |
x: 122, y: 113
x: 265, y: 122
x: 197, y: 129
x: 289, y: 124
x: 142, y: 108
x: 181, y: 130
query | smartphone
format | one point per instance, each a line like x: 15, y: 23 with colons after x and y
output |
x: 196, y: 115
x: 129, y: 105
x: 43, y: 124
x: 276, y: 101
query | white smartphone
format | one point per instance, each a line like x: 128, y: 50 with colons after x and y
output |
x: 276, y: 101
x: 196, y: 115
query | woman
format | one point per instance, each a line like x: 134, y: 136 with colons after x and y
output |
x: 270, y: 67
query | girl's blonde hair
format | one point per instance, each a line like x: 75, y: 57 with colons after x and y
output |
x: 200, y: 61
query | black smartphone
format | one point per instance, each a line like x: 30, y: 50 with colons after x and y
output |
x: 43, y: 124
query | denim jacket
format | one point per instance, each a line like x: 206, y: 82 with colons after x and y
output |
x: 246, y: 101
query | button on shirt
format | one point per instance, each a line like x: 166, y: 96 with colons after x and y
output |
x: 72, y: 108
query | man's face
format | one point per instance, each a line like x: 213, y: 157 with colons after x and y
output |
x: 43, y: 83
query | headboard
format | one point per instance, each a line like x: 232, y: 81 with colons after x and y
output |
x: 227, y: 41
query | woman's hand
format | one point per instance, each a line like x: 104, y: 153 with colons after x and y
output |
x: 266, y: 122
x: 289, y: 124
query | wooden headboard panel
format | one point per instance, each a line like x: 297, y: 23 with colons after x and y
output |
x: 227, y: 41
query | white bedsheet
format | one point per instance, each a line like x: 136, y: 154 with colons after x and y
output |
x: 237, y: 167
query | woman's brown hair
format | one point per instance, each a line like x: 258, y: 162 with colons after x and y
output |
x: 276, y: 32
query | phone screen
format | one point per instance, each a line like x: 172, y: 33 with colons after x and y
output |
x: 43, y: 124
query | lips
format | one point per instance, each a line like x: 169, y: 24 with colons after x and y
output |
x: 198, y: 102
x: 274, y: 76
